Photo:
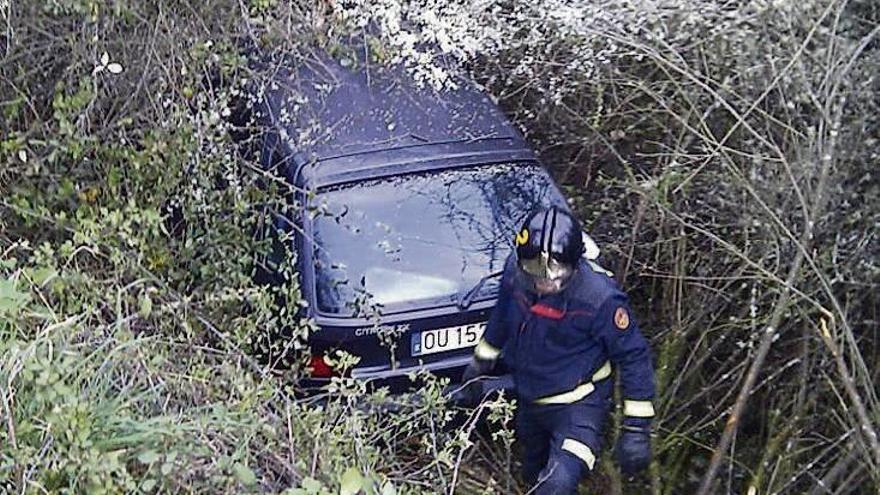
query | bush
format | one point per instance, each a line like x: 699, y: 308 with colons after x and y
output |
x: 723, y: 153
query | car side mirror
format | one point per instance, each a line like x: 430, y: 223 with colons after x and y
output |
x: 591, y: 249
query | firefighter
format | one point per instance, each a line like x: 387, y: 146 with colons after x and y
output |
x: 563, y: 327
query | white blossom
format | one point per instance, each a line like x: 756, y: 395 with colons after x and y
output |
x: 106, y: 64
x: 427, y: 36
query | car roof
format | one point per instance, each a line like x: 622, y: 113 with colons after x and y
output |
x: 349, y: 119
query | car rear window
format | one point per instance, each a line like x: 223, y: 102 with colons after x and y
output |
x: 413, y: 240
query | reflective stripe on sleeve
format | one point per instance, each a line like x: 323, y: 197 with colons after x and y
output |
x: 638, y: 408
x: 580, y: 450
x: 569, y: 397
x: 484, y: 350
x: 603, y: 372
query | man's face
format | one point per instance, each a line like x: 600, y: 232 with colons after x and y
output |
x: 547, y: 275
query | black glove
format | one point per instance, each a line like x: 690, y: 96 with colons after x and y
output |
x: 470, y: 392
x: 633, y: 451
x: 477, y: 367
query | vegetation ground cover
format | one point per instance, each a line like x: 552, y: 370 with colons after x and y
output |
x: 724, y: 154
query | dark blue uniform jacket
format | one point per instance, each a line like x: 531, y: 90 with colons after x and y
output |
x: 557, y: 342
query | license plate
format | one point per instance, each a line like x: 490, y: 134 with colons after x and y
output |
x: 446, y: 339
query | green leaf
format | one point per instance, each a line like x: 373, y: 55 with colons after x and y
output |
x: 351, y: 482
x: 146, y: 305
x: 148, y: 457
x: 244, y: 474
x: 11, y: 299
x: 41, y: 275
x: 311, y: 485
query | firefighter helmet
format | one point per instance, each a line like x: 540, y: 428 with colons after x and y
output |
x: 548, y: 247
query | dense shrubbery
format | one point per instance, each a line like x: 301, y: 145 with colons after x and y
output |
x: 724, y: 155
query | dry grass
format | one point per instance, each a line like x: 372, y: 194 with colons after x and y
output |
x: 724, y: 155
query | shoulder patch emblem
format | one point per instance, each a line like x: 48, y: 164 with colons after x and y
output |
x: 621, y: 318
x: 522, y: 237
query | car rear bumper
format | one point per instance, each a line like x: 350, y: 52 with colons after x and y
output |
x: 490, y: 386
x: 384, y: 373
x: 397, y: 380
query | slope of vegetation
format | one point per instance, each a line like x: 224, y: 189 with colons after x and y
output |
x: 724, y: 154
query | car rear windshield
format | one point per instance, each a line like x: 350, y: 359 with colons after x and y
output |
x: 408, y: 241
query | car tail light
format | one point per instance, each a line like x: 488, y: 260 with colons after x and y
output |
x: 320, y: 368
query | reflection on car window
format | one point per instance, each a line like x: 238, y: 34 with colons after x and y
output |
x: 412, y: 239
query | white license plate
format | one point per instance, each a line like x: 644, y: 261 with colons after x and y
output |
x: 447, y: 339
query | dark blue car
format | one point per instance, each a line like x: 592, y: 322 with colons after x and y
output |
x: 411, y: 198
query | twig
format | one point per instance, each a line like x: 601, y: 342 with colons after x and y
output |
x: 474, y: 419
x: 837, y: 470
x: 770, y: 331
x: 752, y: 376
x: 10, y: 429
x: 10, y: 422
x: 867, y: 428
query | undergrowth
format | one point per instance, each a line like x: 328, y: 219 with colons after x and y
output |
x: 724, y: 154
